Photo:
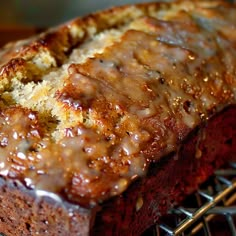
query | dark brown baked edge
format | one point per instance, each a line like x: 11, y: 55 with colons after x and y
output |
x: 25, y: 212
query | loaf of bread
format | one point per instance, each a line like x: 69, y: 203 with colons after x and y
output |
x: 111, y: 119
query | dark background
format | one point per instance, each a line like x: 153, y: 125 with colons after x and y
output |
x: 44, y: 13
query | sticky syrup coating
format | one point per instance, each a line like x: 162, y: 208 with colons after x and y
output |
x: 84, y: 111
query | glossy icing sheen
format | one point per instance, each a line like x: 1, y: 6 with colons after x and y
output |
x: 138, y: 100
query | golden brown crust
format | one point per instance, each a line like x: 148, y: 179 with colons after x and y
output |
x: 129, y: 103
x: 62, y: 39
x: 59, y: 42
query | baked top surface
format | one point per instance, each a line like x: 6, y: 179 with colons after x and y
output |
x: 86, y: 107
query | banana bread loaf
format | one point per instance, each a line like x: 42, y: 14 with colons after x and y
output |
x: 102, y: 119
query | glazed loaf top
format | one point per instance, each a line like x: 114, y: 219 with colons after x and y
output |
x: 87, y: 106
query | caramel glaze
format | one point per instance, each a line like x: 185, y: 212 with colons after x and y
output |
x: 139, y: 98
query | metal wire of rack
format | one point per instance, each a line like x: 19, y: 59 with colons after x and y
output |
x: 209, y: 211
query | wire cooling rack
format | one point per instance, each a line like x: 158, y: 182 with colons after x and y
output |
x: 210, y: 211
